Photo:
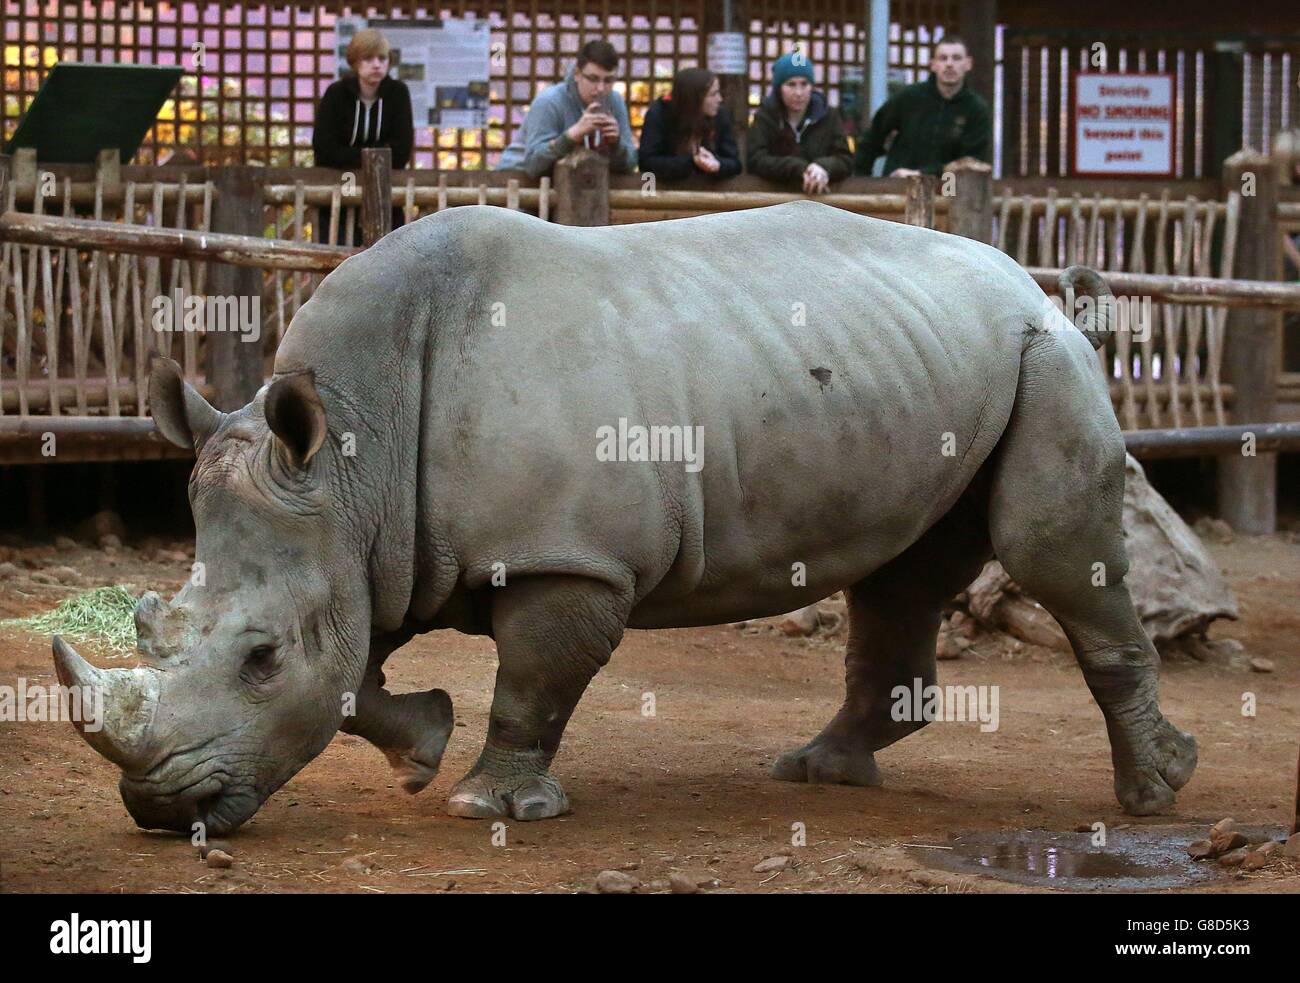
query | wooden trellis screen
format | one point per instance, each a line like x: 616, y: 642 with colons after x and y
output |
x: 1165, y: 370
x: 76, y: 326
x: 266, y: 64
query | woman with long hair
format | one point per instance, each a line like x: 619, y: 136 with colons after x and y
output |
x: 689, y: 131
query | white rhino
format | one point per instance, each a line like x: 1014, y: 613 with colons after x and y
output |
x: 882, y: 407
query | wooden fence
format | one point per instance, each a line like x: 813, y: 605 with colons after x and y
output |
x: 80, y: 294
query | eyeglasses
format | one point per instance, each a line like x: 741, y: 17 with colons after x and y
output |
x: 599, y: 79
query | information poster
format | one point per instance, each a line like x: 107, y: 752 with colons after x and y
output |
x: 444, y: 63
x: 1123, y: 124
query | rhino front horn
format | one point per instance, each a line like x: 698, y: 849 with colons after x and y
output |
x: 117, y: 705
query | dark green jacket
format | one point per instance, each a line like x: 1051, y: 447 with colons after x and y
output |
x: 932, y: 130
x: 774, y: 151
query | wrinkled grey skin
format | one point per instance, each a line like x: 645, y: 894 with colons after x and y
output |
x: 471, y: 358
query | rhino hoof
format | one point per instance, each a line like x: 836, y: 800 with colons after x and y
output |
x: 820, y: 764
x: 1150, y: 790
x: 525, y: 799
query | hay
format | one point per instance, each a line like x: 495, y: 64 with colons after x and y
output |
x: 104, y: 617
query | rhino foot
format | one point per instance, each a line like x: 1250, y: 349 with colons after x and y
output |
x: 526, y: 797
x: 822, y: 763
x: 1162, y: 765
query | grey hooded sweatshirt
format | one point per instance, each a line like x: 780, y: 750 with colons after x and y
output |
x: 541, y: 141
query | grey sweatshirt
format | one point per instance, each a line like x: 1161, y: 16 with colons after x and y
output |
x: 541, y: 141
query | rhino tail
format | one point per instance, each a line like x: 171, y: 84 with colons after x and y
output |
x: 1094, y: 320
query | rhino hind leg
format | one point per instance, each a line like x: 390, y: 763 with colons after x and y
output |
x: 1055, y: 518
x: 553, y: 635
x: 894, y: 617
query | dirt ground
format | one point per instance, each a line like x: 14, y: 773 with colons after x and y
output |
x: 684, y: 790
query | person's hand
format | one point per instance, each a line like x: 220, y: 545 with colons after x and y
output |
x: 609, y: 129
x: 904, y: 172
x: 590, y: 121
x: 705, y: 160
x: 815, y: 179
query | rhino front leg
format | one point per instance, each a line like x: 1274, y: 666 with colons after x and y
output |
x: 553, y: 634
x: 411, y: 729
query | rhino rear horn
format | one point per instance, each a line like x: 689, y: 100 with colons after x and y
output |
x: 181, y: 414
x: 296, y: 415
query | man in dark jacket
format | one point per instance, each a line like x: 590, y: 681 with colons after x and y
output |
x: 363, y: 109
x: 933, y: 123
x: 796, y: 136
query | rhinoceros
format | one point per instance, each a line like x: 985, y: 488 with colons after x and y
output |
x: 549, y: 435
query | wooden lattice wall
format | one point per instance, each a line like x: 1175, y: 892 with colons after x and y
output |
x: 254, y: 97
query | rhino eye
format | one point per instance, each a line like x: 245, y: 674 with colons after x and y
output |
x: 260, y: 664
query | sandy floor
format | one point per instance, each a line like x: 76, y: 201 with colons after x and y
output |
x: 685, y: 790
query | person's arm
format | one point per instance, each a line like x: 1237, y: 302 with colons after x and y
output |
x: 545, y: 138
x: 761, y: 161
x: 728, y: 153
x: 655, y: 155
x: 623, y: 162
x: 872, y: 144
x: 328, y: 144
x: 977, y: 137
x: 839, y: 161
x: 402, y: 139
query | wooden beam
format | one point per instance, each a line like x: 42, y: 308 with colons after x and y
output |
x: 148, y: 240
x: 1211, y: 441
x: 235, y: 358
x: 376, y: 194
x: 1252, y: 356
x: 1173, y: 289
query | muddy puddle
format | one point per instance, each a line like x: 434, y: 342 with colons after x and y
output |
x: 1139, y: 858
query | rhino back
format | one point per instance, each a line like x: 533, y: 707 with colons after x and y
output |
x: 850, y: 376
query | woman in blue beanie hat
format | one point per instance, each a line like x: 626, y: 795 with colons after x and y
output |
x: 797, y: 136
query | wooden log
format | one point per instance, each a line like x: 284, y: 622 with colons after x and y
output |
x: 235, y: 250
x: 918, y: 208
x: 1173, y: 289
x: 376, y: 194
x: 234, y: 359
x: 706, y: 202
x: 582, y: 189
x: 1252, y: 357
x: 970, y: 212
x: 1212, y: 441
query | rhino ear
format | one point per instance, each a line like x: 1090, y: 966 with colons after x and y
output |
x: 181, y: 414
x: 296, y: 415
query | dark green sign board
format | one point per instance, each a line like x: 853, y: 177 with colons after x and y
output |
x: 83, y: 108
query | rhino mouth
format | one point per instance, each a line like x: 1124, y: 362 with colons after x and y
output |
x: 213, y: 803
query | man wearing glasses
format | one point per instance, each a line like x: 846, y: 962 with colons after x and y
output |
x: 584, y: 111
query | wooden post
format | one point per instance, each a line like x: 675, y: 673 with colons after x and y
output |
x: 235, y: 363
x: 108, y: 166
x: 1252, y: 354
x: 4, y: 183
x: 582, y: 189
x: 24, y: 173
x: 970, y: 212
x: 735, y: 88
x: 919, y: 209
x: 977, y: 26
x: 376, y: 194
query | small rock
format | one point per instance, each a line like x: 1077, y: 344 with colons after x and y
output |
x: 219, y: 859
x: 1225, y: 837
x: 630, y: 865
x: 65, y: 543
x: 8, y: 570
x: 110, y: 542
x: 616, y: 882
x: 799, y: 624
x: 356, y: 866
x: 1200, y: 850
x: 43, y: 577
x: 1214, y: 530
x: 771, y: 863
x: 1234, y: 858
x: 681, y: 883
x: 1262, y: 856
x: 1292, y: 848
x: 950, y: 646
x: 65, y: 575
x: 1261, y: 664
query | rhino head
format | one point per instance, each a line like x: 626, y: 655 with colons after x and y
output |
x: 246, y: 672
